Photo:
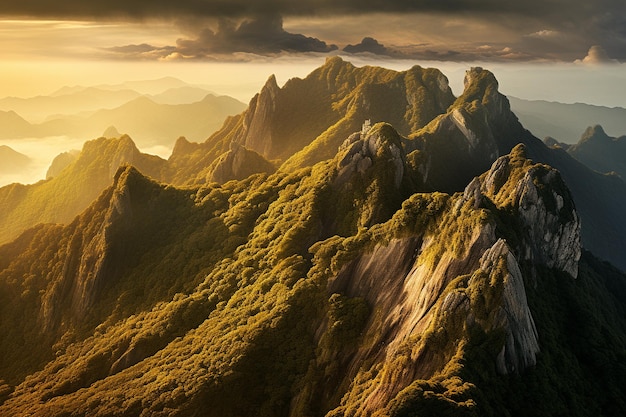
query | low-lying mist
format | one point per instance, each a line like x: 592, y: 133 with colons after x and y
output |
x: 42, y: 152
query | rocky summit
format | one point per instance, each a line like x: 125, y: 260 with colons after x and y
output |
x: 372, y: 247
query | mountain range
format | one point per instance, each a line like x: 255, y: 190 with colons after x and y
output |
x: 150, y: 122
x: 565, y: 122
x: 84, y: 99
x: 600, y: 151
x: 358, y: 242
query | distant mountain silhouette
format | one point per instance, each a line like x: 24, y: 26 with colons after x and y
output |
x: 12, y: 161
x: 180, y: 95
x: 12, y: 126
x: 38, y: 109
x: 150, y: 123
x: 564, y: 122
x: 601, y: 152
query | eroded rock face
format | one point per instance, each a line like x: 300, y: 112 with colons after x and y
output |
x: 514, y: 316
x: 362, y: 150
x: 92, y: 258
x: 257, y: 121
x: 470, y: 276
x: 238, y: 163
x: 544, y: 205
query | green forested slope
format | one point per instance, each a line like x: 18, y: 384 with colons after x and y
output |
x: 332, y: 290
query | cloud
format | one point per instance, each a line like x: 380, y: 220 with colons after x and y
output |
x: 544, y: 33
x: 263, y: 35
x: 70, y: 9
x: 544, y: 30
x: 597, y: 55
x: 369, y: 45
x: 141, y: 51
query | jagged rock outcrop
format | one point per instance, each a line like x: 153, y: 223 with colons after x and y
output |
x: 514, y: 316
x: 238, y: 163
x: 257, y: 120
x: 545, y: 208
x: 370, y: 182
x: 362, y: 150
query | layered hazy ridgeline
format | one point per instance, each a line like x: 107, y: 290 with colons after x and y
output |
x: 358, y: 242
x: 154, y: 112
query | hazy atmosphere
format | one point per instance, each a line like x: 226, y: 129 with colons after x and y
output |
x: 556, y: 51
x: 278, y: 208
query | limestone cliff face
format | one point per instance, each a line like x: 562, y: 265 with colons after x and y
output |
x: 468, y: 274
x: 237, y: 164
x: 257, y: 121
x: 93, y: 257
x: 513, y: 315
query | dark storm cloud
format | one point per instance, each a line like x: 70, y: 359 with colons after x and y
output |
x: 369, y: 45
x: 579, y: 23
x: 262, y: 35
x: 234, y: 8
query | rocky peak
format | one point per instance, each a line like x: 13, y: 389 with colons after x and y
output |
x: 257, y: 122
x: 60, y: 162
x: 334, y: 71
x: 475, y: 130
x: 376, y: 145
x: 594, y: 134
x: 238, y: 163
x: 481, y: 89
x: 183, y: 147
x: 544, y: 205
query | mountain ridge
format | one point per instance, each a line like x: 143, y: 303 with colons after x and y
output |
x: 565, y: 121
x: 314, y: 297
x: 60, y: 199
x: 443, y: 271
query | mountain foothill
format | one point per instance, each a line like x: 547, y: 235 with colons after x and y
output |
x: 357, y: 242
